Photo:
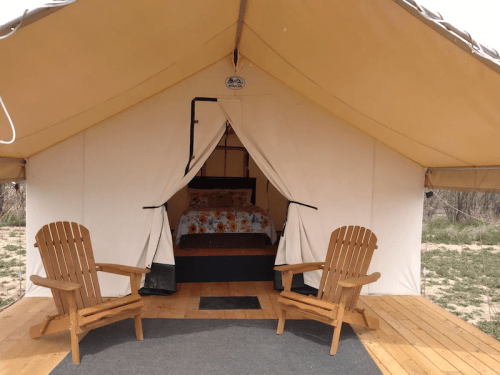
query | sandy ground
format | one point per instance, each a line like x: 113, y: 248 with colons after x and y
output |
x: 434, y: 246
x: 486, y: 310
x: 10, y: 287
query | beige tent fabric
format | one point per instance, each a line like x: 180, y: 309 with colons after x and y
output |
x: 104, y: 176
x: 206, y: 137
x: 12, y: 170
x: 94, y: 59
x: 265, y: 134
x: 384, y: 71
x: 466, y: 179
x: 375, y: 64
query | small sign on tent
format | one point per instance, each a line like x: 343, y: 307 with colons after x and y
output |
x: 235, y: 82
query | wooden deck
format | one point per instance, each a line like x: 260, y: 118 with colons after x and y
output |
x: 415, y: 335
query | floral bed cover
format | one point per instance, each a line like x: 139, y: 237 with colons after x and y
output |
x: 247, y: 219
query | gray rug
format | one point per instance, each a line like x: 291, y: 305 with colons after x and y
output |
x: 204, y: 346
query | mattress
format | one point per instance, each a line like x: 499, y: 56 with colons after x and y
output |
x: 246, y: 219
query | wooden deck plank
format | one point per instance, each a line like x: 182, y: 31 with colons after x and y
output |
x: 447, y: 339
x: 469, y: 328
x: 378, y: 350
x: 465, y: 333
x: 454, y: 332
x: 429, y: 338
x: 415, y: 335
x: 378, y: 362
x: 389, y: 326
x: 435, y: 358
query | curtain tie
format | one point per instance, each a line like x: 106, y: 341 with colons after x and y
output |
x: 151, y: 207
x: 286, y: 217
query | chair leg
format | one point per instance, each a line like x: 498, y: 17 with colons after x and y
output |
x: 335, y: 341
x: 338, y: 327
x: 75, y: 346
x: 281, y: 321
x: 138, y: 327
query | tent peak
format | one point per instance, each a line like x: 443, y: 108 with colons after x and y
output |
x: 238, y: 31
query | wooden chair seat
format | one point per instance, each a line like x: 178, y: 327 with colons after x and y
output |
x: 68, y: 260
x: 344, y: 273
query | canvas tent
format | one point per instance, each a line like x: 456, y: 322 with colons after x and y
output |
x: 345, y: 106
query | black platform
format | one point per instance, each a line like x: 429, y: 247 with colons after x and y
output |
x: 201, y: 269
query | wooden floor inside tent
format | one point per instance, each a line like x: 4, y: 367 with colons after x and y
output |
x: 415, y: 335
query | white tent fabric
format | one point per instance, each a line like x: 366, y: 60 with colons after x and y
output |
x: 207, y: 134
x: 103, y: 176
x: 259, y: 124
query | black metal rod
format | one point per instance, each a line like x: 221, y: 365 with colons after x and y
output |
x: 191, y: 134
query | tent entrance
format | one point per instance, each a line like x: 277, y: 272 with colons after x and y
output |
x: 263, y: 131
x: 229, y: 254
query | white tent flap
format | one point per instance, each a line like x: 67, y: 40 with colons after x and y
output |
x: 208, y: 131
x: 258, y: 122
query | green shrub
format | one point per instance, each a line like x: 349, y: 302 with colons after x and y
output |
x: 6, y: 302
x: 491, y: 236
x: 493, y: 327
x: 12, y: 221
x: 443, y: 237
x: 440, y: 222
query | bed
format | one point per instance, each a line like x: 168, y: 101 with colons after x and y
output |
x: 221, y: 213
x: 222, y: 235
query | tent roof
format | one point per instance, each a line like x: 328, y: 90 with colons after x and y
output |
x: 409, y: 81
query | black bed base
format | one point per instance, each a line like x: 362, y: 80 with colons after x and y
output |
x: 224, y: 268
x: 225, y: 241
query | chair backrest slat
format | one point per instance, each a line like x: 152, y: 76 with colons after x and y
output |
x: 66, y: 261
x: 45, y: 246
x: 337, y: 268
x: 84, y: 246
x: 349, y: 255
x: 67, y: 255
x: 331, y: 266
x: 345, y: 258
x: 366, y: 253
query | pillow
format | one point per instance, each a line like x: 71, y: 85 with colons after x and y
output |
x: 219, y: 197
x: 241, y: 197
x: 196, y: 198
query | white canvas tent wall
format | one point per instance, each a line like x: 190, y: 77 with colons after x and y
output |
x: 418, y: 89
x: 103, y: 176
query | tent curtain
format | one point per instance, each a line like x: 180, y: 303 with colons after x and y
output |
x: 208, y: 131
x: 274, y: 152
x: 263, y: 131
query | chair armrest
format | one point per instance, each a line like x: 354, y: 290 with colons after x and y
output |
x: 120, y: 269
x: 300, y: 268
x: 359, y: 281
x: 66, y: 286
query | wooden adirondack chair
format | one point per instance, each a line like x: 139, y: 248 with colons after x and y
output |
x: 69, y: 263
x: 344, y: 273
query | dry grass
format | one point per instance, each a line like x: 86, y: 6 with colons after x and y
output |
x: 465, y: 280
x: 12, y: 264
